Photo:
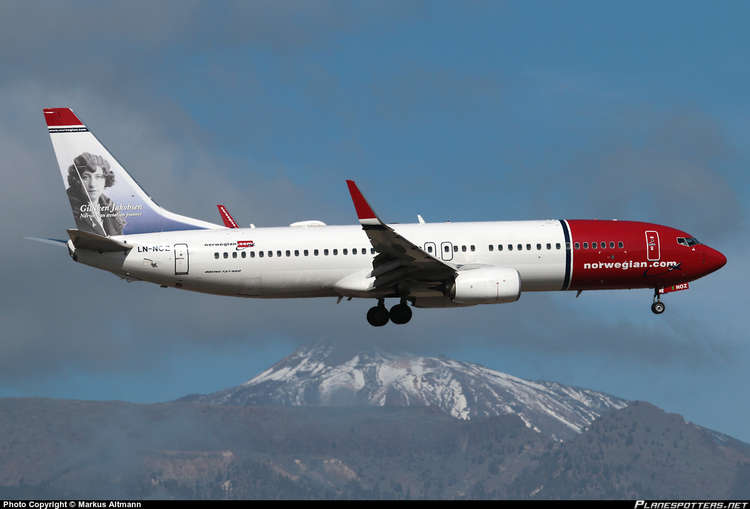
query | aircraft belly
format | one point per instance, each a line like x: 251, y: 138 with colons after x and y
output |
x: 540, y: 277
x: 301, y: 282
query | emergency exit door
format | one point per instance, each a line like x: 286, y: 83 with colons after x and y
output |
x: 181, y: 260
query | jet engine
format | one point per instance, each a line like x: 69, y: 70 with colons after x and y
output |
x: 486, y: 285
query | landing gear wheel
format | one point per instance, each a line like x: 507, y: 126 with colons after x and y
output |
x: 658, y: 307
x: 400, y: 313
x: 377, y: 316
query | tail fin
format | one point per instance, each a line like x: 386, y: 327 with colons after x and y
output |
x: 104, y: 197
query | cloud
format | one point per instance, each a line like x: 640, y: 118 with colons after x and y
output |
x: 663, y: 167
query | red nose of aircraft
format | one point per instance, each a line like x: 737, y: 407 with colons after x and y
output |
x: 713, y: 259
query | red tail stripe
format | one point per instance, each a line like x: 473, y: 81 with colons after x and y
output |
x: 60, y: 116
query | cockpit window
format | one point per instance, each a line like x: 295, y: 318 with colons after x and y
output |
x: 688, y: 241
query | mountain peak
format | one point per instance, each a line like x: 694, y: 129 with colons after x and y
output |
x: 323, y: 374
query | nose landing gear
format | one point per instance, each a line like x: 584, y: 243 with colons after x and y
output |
x: 658, y: 306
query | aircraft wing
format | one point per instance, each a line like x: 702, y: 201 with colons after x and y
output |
x: 399, y: 263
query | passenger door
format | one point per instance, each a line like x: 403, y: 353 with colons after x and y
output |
x: 181, y: 260
x: 653, y: 249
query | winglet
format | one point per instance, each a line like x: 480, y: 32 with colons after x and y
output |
x: 229, y: 221
x: 365, y: 213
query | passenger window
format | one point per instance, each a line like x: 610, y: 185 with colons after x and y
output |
x: 216, y: 255
x: 557, y: 245
x: 354, y: 250
x: 620, y: 245
x: 499, y: 247
x: 296, y: 252
x: 603, y: 245
x: 260, y: 254
x: 226, y: 255
x: 463, y: 248
x: 325, y: 252
x: 455, y: 249
x: 306, y: 252
x: 252, y: 254
x: 594, y: 245
x: 446, y: 249
x: 346, y: 251
x: 429, y: 249
x: 510, y: 247
x: 244, y: 254
x: 539, y: 247
x: 520, y: 246
x: 335, y: 251
x: 234, y: 254
x: 270, y: 254
x: 315, y: 252
x: 611, y: 245
x: 577, y: 245
x: 473, y: 248
x: 585, y: 245
x: 549, y: 246
x: 528, y: 247
x: 491, y: 247
x: 288, y: 253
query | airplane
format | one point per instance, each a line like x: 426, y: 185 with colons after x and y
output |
x: 120, y: 229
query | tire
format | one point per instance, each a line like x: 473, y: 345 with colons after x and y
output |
x: 377, y: 316
x: 658, y: 307
x: 401, y: 314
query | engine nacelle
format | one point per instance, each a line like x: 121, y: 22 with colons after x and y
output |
x: 486, y: 285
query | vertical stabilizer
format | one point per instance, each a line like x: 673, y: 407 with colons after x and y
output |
x: 104, y: 198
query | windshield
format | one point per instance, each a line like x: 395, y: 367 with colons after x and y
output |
x: 687, y: 241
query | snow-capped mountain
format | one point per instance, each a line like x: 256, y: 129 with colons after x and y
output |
x: 321, y: 375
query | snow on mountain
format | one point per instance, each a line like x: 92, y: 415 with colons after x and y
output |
x: 321, y: 375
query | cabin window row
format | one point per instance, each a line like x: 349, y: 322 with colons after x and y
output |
x: 520, y: 247
x: 600, y: 245
x: 297, y: 252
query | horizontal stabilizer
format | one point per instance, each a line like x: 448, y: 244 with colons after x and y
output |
x: 54, y: 242
x: 86, y: 240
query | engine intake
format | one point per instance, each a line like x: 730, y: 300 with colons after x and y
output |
x: 486, y: 285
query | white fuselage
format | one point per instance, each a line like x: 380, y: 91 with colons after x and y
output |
x: 288, y: 262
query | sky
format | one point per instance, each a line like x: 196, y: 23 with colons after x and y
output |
x: 455, y: 111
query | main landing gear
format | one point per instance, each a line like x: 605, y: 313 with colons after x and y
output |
x: 400, y: 314
x: 658, y: 306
